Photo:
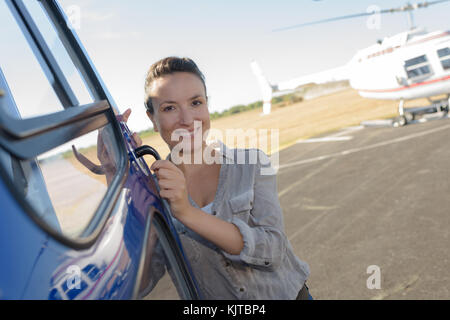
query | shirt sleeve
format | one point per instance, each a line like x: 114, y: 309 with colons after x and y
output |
x: 263, y: 235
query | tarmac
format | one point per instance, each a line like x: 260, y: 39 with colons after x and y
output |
x: 368, y: 209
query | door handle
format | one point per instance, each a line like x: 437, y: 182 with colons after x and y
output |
x: 144, y: 150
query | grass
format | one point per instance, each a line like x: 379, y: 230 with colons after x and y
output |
x: 304, y: 119
x: 300, y: 120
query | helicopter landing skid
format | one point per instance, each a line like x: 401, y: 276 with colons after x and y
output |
x: 413, y: 114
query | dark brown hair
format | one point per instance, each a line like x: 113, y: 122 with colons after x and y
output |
x: 168, y: 66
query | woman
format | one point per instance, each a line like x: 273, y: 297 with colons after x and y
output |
x: 228, y: 214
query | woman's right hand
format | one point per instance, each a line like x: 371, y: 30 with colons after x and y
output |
x: 172, y: 187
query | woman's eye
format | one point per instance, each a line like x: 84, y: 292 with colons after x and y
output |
x: 196, y: 102
x: 168, y: 108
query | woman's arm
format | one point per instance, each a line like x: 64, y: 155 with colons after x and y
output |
x: 223, y: 234
x: 264, y: 239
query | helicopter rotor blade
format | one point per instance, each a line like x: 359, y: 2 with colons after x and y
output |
x: 407, y: 7
x: 322, y: 21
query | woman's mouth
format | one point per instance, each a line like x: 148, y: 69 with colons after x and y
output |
x: 185, y: 133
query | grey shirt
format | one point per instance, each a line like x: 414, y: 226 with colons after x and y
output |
x: 267, y: 267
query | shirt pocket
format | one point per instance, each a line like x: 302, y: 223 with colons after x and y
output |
x: 242, y: 203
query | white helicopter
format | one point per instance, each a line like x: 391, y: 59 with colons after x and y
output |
x: 409, y: 65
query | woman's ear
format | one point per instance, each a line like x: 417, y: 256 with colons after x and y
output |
x: 152, y: 119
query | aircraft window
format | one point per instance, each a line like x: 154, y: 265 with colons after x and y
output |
x: 443, y: 52
x: 444, y: 55
x: 418, y: 72
x: 32, y: 83
x: 32, y: 91
x: 77, y: 175
x: 65, y: 63
x: 66, y: 185
x: 415, y: 61
x: 417, y: 68
x: 445, y: 64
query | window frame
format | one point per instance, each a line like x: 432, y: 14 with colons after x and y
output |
x: 445, y: 57
x: 27, y: 138
x: 418, y: 66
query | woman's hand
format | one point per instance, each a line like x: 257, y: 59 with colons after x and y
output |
x: 124, y: 117
x: 172, y: 187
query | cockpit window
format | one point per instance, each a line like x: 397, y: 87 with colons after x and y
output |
x: 444, y: 56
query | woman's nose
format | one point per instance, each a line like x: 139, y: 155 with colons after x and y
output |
x: 186, y: 117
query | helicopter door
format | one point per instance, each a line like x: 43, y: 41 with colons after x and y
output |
x: 418, y: 69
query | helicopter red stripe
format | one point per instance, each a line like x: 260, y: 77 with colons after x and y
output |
x: 443, y: 34
x: 391, y: 49
x: 407, y: 87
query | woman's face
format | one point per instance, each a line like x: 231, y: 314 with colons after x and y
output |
x: 179, y: 100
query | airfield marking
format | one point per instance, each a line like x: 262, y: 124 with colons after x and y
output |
x: 348, y: 129
x: 325, y: 139
x: 334, y: 137
x: 300, y: 181
x: 354, y: 150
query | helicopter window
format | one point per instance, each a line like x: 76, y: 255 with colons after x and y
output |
x: 445, y: 52
x: 65, y: 184
x: 444, y: 55
x: 415, y: 61
x: 417, y: 68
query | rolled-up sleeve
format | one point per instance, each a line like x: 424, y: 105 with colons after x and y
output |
x: 263, y: 235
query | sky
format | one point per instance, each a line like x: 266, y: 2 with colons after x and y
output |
x: 123, y: 38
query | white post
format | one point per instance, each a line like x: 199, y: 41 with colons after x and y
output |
x: 400, y: 107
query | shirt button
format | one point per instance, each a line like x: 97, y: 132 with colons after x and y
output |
x: 241, y: 289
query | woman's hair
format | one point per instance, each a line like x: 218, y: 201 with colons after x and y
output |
x: 165, y: 67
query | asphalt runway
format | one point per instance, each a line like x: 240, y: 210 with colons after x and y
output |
x: 371, y: 196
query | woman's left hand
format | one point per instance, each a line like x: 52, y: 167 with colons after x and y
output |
x: 172, y: 186
x: 124, y: 117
